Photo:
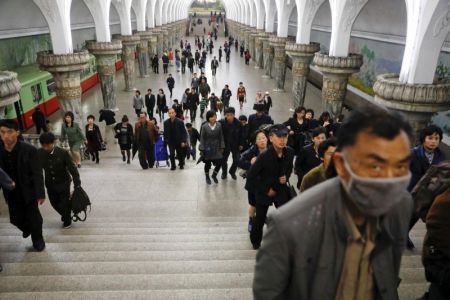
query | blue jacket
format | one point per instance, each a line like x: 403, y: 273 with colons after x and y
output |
x: 419, y: 163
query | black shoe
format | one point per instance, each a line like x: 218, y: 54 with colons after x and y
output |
x: 410, y: 244
x: 123, y: 158
x: 224, y: 175
x: 67, y: 225
x: 256, y: 247
x: 25, y: 234
x: 173, y: 168
x: 233, y: 176
x: 93, y: 158
x: 97, y: 161
x: 208, y: 180
x: 181, y: 167
x: 214, y: 177
x: 128, y: 161
x: 39, y: 247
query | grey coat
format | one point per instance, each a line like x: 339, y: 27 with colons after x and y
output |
x: 138, y: 102
x: 211, y: 142
x: 303, y: 250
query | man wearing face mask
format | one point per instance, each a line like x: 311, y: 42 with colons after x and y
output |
x: 343, y: 239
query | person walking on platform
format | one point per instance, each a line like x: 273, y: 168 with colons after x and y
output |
x: 150, y: 102
x: 227, y: 55
x: 170, y: 84
x: 226, y: 96
x: 268, y: 179
x: 195, y: 82
x: 344, y: 238
x: 231, y: 128
x: 161, y: 104
x: 193, y: 101
x: 20, y: 161
x: 183, y: 64
x: 138, y: 103
x: 197, y: 56
x: 214, y: 66
x: 72, y: 132
x: 144, y: 141
x: 175, y: 136
x: 59, y: 171
x: 220, y: 53
x: 194, y: 137
x: 108, y: 116
x: 165, y: 61
x: 211, y: 145
x: 246, y: 160
x: 256, y: 120
x: 39, y: 120
x: 94, y: 139
x: 155, y: 64
x: 241, y: 94
x: 124, y: 134
x: 191, y: 63
x: 204, y: 90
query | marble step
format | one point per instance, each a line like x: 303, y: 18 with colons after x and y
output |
x: 109, y: 256
x: 44, y: 283
x: 128, y: 267
x: 412, y: 291
x: 185, y: 294
x: 130, y: 246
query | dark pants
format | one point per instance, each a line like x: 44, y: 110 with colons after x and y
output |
x: 165, y: 66
x: 60, y: 200
x: 146, y: 156
x: 180, y: 155
x: 138, y: 111
x: 156, y: 69
x: 228, y: 58
x: 214, y: 70
x: 437, y: 272
x: 95, y: 156
x: 183, y: 69
x: 217, y: 164
x: 258, y: 223
x: 150, y: 111
x: 41, y: 127
x: 191, y: 69
x: 193, y: 113
x: 170, y: 90
x: 27, y: 217
x: 235, y: 155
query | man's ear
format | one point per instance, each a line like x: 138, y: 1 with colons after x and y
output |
x: 338, y: 161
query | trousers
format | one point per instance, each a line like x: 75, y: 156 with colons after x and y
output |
x: 146, y: 156
x: 60, y: 201
x: 27, y: 217
x: 180, y: 155
x: 235, y: 155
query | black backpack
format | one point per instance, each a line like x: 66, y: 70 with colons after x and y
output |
x: 80, y: 202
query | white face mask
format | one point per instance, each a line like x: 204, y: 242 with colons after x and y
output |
x: 375, y: 196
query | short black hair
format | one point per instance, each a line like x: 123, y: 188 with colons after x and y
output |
x: 310, y: 110
x: 188, y: 125
x: 243, y: 118
x: 10, y: 124
x: 137, y: 91
x: 376, y: 121
x: 230, y: 110
x: 47, y: 138
x: 323, y: 147
x: 125, y: 118
x: 210, y: 114
x: 90, y: 117
x: 255, y: 134
x: 317, y: 131
x: 430, y: 130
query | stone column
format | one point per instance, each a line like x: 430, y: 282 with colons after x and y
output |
x: 105, y: 56
x: 142, y: 50
x: 129, y: 43
x: 152, y: 46
x: 9, y: 90
x: 268, y: 54
x: 279, y: 46
x: 247, y: 32
x: 419, y: 102
x: 242, y: 32
x: 252, y: 37
x: 165, y: 40
x: 301, y: 55
x: 66, y: 70
x: 160, y: 42
x: 336, y: 71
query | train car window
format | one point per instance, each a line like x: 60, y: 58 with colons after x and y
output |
x: 36, y: 93
x: 51, y: 87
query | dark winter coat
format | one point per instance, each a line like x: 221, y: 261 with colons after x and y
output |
x: 231, y: 134
x: 211, y: 142
x: 178, y: 135
x: 107, y: 116
x: 94, y: 138
x: 419, y: 163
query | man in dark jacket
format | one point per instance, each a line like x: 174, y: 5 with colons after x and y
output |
x: 39, y: 120
x: 175, y: 136
x: 231, y: 129
x: 193, y: 101
x: 170, y: 84
x: 59, y: 170
x: 155, y: 64
x: 150, y: 102
x: 144, y: 140
x: 346, y: 230
x: 20, y: 161
x: 109, y: 117
x: 268, y: 178
x: 309, y: 156
x: 191, y: 63
x: 422, y: 157
x: 256, y: 120
x: 214, y: 66
x: 165, y: 61
x: 226, y: 95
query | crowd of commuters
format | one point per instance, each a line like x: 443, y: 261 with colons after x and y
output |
x: 338, y: 233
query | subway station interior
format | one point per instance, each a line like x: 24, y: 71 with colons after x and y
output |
x: 157, y: 234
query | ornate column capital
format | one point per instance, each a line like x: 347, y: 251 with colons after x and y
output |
x: 338, y: 65
x: 9, y: 88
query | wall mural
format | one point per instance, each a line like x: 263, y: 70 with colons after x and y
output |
x: 22, y: 51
